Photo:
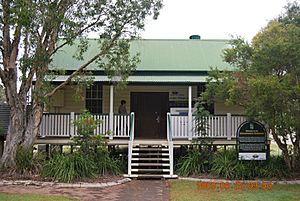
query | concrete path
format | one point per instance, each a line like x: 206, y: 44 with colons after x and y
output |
x: 136, y: 190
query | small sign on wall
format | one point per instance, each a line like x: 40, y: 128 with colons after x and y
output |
x: 252, y: 141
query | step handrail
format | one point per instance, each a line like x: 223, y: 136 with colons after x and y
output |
x: 169, y: 129
x: 170, y: 143
x: 130, y: 142
x: 131, y: 134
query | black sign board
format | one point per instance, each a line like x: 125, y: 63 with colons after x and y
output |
x: 252, y: 141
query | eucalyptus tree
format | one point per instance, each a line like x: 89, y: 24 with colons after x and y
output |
x: 2, y: 95
x: 33, y: 31
x: 266, y: 81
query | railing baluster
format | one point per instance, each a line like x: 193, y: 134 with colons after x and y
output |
x: 186, y: 122
x: 122, y: 125
x: 128, y: 126
x: 182, y: 126
x: 62, y: 125
x: 58, y: 120
x: 173, y: 126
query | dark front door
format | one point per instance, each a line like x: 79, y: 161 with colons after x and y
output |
x: 150, y: 114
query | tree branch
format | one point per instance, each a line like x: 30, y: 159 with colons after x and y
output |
x: 6, y: 33
x: 78, y: 33
x: 26, y: 84
x: 82, y: 67
x: 2, y: 76
x: 15, y: 47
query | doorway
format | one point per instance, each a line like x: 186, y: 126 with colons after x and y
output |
x: 150, y: 110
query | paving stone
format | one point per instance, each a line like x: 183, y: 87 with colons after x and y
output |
x: 145, y: 190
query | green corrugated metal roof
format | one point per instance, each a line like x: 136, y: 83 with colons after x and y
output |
x: 148, y: 79
x: 159, y: 55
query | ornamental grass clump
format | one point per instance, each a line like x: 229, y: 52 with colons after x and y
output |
x: 89, y: 158
x: 69, y: 168
x: 195, y: 162
x: 226, y: 164
x: 28, y: 162
x: 94, y: 145
x: 107, y: 164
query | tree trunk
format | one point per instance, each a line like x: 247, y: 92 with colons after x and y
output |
x: 287, y: 159
x: 33, y: 126
x: 296, y: 152
x: 284, y: 149
x: 14, y: 136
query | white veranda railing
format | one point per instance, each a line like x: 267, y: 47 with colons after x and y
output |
x: 61, y: 125
x: 219, y: 126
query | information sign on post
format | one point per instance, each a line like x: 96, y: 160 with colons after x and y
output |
x: 252, y: 141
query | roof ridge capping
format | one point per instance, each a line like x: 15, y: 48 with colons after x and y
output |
x: 166, y: 39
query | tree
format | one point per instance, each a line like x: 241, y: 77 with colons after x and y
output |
x: 266, y: 80
x: 33, y: 31
x: 2, y: 96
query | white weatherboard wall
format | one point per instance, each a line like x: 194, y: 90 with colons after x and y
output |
x: 70, y: 101
x: 124, y: 94
x: 72, y: 104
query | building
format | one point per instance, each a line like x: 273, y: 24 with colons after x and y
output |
x: 160, y: 97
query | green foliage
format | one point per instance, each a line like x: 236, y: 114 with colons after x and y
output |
x: 69, y: 168
x: 86, y: 124
x: 266, y: 81
x: 86, y: 140
x: 275, y: 168
x: 2, y: 94
x: 40, y: 29
x: 107, y: 164
x: 195, y: 162
x: 90, y: 157
x: 226, y: 165
x: 123, y: 162
x: 28, y: 162
x: 200, y: 116
x: 197, y: 159
x: 44, y: 27
x: 94, y: 146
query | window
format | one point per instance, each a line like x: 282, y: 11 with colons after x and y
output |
x: 93, y: 100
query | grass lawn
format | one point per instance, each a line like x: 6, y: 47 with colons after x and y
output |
x: 190, y: 191
x: 32, y: 197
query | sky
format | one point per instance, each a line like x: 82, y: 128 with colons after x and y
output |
x: 212, y: 19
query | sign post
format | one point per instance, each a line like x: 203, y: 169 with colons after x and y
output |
x: 252, y: 141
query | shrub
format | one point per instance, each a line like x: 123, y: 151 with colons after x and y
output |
x: 196, y: 161
x: 86, y: 140
x: 89, y: 159
x: 123, y: 162
x: 28, y: 162
x: 224, y: 164
x: 94, y: 146
x: 275, y: 168
x: 68, y: 168
x: 107, y: 164
x: 248, y: 169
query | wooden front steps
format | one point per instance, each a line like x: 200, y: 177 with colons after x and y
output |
x: 150, y: 159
